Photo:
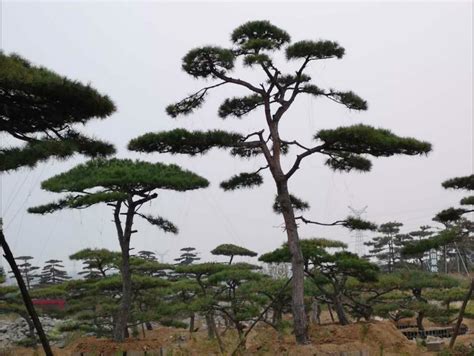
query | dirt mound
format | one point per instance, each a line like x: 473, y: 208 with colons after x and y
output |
x: 99, y: 346
x: 373, y: 338
x: 380, y: 334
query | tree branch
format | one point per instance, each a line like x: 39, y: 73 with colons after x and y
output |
x: 300, y: 157
x: 238, y: 82
x: 306, y: 221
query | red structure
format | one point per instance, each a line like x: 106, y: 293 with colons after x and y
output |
x: 50, y: 304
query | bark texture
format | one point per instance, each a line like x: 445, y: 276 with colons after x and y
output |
x: 297, y: 266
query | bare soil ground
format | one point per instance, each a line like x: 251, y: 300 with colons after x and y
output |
x: 370, y: 338
x: 373, y: 338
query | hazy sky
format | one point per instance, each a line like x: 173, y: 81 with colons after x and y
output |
x: 411, y: 61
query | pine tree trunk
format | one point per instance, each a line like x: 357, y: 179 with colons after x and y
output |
x: 421, y: 314
x: 297, y: 265
x: 330, y: 312
x: 191, y: 323
x: 213, y: 332
x: 210, y: 326
x: 27, y: 279
x: 276, y: 316
x: 445, y: 258
x: 242, y: 338
x: 315, y: 313
x: 126, y: 303
x: 419, y: 320
x: 31, y: 326
x: 120, y: 328
x: 341, y: 314
x: 24, y: 293
x: 461, y: 314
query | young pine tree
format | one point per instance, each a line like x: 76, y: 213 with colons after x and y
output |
x: 258, y: 44
x: 188, y: 256
x: 28, y: 271
x: 147, y: 255
x: 124, y: 185
x: 232, y: 250
x: 384, y: 247
x: 53, y: 273
x: 328, y: 271
x: 453, y: 235
x: 97, y: 263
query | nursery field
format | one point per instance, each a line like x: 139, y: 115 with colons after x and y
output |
x: 371, y: 338
x: 270, y: 256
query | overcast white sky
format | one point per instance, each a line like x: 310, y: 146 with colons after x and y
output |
x: 411, y: 61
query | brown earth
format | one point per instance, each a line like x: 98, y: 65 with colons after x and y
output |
x: 370, y: 338
x: 373, y: 338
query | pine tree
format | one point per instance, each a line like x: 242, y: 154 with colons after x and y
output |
x: 232, y: 250
x: 425, y: 232
x: 97, y: 262
x: 346, y: 148
x: 459, y: 183
x: 386, y: 247
x: 188, y: 256
x: 125, y: 186
x: 452, y: 235
x: 417, y: 283
x: 40, y: 108
x: 53, y: 273
x: 456, y: 239
x: 200, y: 274
x: 28, y: 271
x: 147, y: 255
x: 236, y: 299
x: 92, y: 303
x: 328, y: 271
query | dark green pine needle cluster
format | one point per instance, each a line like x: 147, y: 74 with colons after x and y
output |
x: 232, y: 250
x: 239, y: 107
x: 242, y: 180
x: 297, y: 203
x: 40, y: 108
x: 451, y: 215
x: 345, y: 145
x: 113, y: 180
x: 181, y: 141
x: 322, y: 262
x: 124, y: 175
x: 206, y: 61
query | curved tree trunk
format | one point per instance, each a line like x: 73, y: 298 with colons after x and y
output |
x: 297, y: 265
x: 24, y: 293
x: 420, y: 316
